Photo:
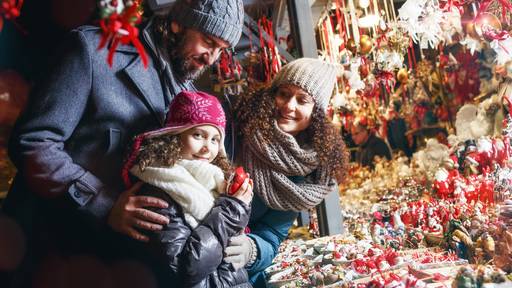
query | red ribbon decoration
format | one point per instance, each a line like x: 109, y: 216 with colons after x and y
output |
x: 341, y: 7
x: 506, y: 6
x: 326, y: 35
x: 264, y: 50
x: 381, y: 38
x: 493, y: 35
x: 484, y: 5
x: 386, y: 78
x: 411, y: 45
x: 447, y: 7
x: 118, y: 29
x: 10, y: 10
x: 270, y: 57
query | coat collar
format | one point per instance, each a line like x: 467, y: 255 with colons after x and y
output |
x: 147, y: 81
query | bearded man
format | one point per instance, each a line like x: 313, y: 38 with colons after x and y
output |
x: 68, y: 146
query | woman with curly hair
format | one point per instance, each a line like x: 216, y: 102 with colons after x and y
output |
x: 293, y: 153
x: 185, y: 164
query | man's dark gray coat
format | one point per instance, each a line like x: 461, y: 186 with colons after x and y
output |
x: 69, y: 144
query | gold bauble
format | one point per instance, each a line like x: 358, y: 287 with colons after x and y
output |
x: 470, y: 30
x: 487, y: 22
x: 365, y: 44
x: 402, y: 75
x: 351, y: 46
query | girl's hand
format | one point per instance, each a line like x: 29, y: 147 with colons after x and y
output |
x: 244, y: 193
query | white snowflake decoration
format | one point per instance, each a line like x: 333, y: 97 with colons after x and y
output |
x: 389, y: 60
x: 354, y: 79
x: 430, y: 26
x: 411, y: 10
x: 423, y: 20
x: 451, y: 24
x: 503, y: 50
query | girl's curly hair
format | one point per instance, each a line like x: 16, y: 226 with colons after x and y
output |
x: 165, y: 150
x: 256, y: 110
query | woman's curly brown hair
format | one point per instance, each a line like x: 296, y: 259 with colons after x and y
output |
x: 165, y: 150
x: 256, y: 111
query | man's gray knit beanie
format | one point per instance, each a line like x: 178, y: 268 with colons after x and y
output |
x: 220, y: 18
x: 314, y: 76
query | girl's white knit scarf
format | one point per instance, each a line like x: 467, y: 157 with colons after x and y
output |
x: 193, y: 184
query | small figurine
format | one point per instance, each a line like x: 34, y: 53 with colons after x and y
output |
x: 464, y: 279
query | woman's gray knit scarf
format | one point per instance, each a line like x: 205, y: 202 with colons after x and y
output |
x: 269, y: 166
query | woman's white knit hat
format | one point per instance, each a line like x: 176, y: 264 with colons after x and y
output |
x: 314, y: 76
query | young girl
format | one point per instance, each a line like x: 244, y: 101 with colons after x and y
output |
x: 185, y: 164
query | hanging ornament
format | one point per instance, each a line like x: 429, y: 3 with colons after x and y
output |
x: 269, y: 52
x: 450, y: 5
x: 118, y: 27
x: 351, y: 46
x: 470, y: 30
x: 402, y: 76
x: 364, y: 69
x: 9, y: 10
x: 364, y: 3
x: 365, y: 44
x: 388, y: 60
x: 397, y: 38
x: 353, y: 77
x: 422, y: 19
x: 506, y: 7
x: 487, y: 26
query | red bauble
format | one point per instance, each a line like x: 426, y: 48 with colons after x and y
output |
x: 238, y: 179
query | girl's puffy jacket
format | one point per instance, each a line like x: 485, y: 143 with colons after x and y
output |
x: 189, y: 257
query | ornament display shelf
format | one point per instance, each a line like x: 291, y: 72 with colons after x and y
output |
x: 440, y: 218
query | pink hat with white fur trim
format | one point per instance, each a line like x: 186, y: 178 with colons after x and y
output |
x: 190, y: 109
x: 187, y: 110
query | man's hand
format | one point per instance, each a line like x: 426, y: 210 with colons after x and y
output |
x: 239, y: 251
x: 129, y: 213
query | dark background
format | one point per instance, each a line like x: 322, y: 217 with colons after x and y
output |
x: 28, y: 46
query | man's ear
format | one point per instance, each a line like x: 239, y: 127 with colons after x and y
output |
x: 176, y: 27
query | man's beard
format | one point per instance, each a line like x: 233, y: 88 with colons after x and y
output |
x: 185, y: 69
x: 182, y: 67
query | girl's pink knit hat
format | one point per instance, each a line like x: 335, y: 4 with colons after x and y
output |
x: 187, y: 110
